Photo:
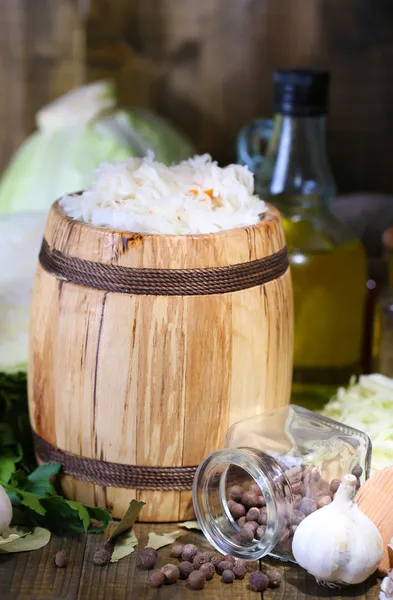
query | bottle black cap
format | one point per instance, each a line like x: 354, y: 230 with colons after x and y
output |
x: 301, y: 92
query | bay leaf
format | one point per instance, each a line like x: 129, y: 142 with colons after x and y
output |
x: 128, y: 519
x: 37, y: 538
x: 190, y: 525
x: 124, y: 545
x: 12, y: 534
x: 159, y: 541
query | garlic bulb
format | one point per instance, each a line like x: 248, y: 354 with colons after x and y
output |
x: 338, y: 544
x: 5, y: 510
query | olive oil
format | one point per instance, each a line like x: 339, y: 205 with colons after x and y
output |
x: 328, y: 263
x: 328, y: 267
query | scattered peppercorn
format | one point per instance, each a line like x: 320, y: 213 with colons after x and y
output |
x: 237, y: 510
x: 151, y: 550
x: 215, y: 561
x: 208, y: 555
x: 208, y: 570
x: 274, y: 576
x: 197, y: 580
x: 357, y: 471
x: 239, y: 571
x: 236, y: 492
x: 189, y: 552
x: 146, y: 559
x: 224, y: 566
x: 177, y: 550
x: 171, y: 573
x: 229, y: 558
x: 101, y: 557
x: 258, y: 581
x: 200, y: 559
x: 61, y: 559
x: 228, y: 576
x: 157, y: 579
x: 185, y: 568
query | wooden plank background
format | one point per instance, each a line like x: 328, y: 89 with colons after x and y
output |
x: 207, y: 66
x: 33, y: 576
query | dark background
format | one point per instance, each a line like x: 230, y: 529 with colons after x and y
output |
x: 206, y: 65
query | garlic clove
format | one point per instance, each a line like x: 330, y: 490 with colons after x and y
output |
x: 5, y: 510
x: 338, y: 544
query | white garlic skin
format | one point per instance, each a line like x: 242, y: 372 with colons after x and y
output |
x: 339, y: 544
x: 386, y: 592
x: 5, y: 510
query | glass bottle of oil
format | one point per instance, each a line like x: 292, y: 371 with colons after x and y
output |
x: 328, y: 263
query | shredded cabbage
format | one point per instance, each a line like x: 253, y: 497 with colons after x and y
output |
x: 75, y: 133
x: 367, y: 404
x: 143, y: 195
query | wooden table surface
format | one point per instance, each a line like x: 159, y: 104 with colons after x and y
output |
x: 33, y: 576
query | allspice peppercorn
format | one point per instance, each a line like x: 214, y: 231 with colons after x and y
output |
x: 208, y: 570
x: 237, y: 510
x: 334, y: 485
x: 146, y: 560
x: 245, y: 535
x: 185, y: 568
x: 224, y: 565
x: 249, y: 499
x: 157, y: 579
x: 357, y: 471
x: 228, y: 576
x: 61, y: 559
x: 274, y: 576
x: 197, y: 580
x: 239, y: 571
x: 229, y: 558
x: 200, y: 559
x: 189, y: 551
x: 215, y: 561
x: 177, y: 550
x: 171, y: 573
x: 253, y: 514
x: 236, y: 492
x: 258, y: 581
x: 101, y: 557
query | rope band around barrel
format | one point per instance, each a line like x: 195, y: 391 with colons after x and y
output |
x: 109, y: 474
x: 163, y: 282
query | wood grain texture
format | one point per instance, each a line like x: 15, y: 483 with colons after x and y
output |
x: 375, y: 500
x: 207, y: 66
x: 28, y: 576
x: 155, y: 380
x: 42, y: 56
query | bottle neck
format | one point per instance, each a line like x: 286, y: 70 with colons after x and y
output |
x: 211, y: 494
x: 296, y: 167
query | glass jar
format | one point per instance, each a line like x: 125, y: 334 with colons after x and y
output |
x: 275, y: 469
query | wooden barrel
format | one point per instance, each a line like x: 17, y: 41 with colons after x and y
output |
x: 144, y: 349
